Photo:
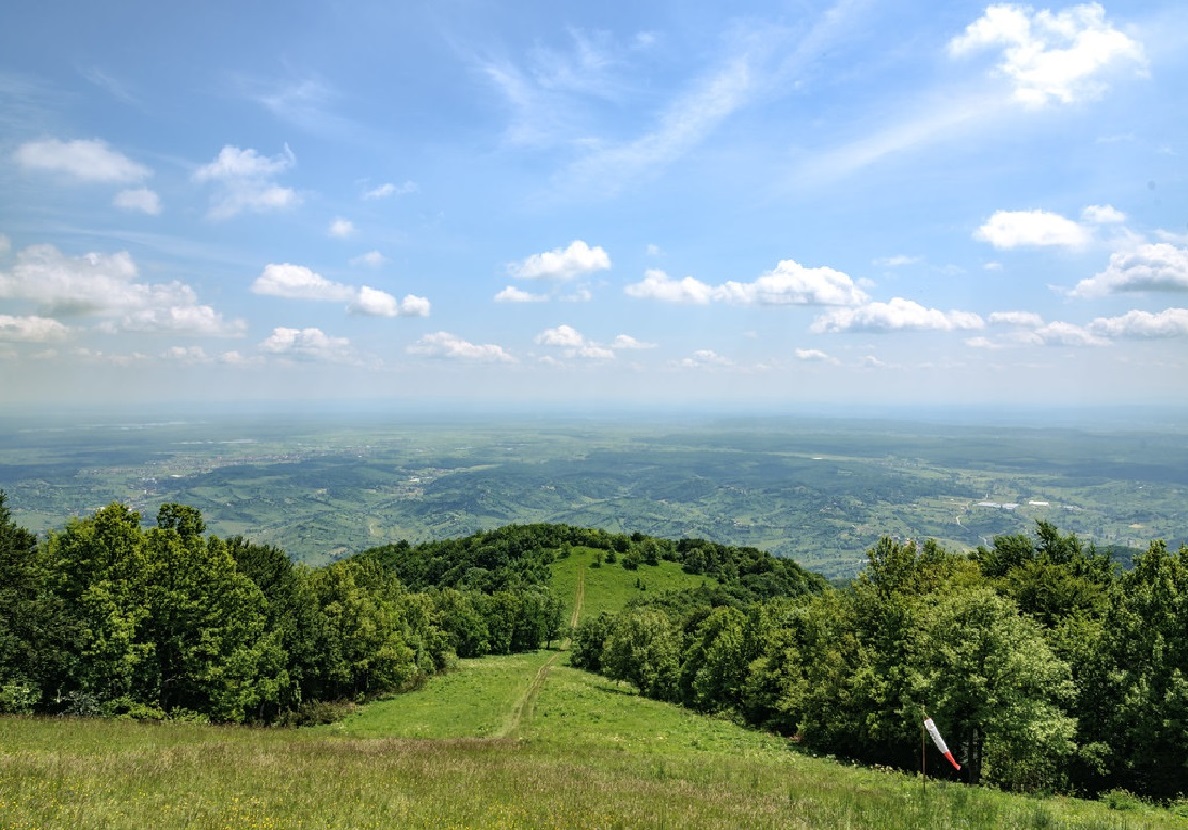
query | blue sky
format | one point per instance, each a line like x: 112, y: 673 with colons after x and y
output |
x: 758, y: 203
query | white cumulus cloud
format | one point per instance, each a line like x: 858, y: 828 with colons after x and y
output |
x: 703, y: 358
x: 897, y: 315
x: 192, y: 319
x: 233, y: 164
x: 371, y: 302
x: 789, y: 283
x: 86, y: 161
x: 511, y: 294
x: 562, y: 263
x: 1023, y: 319
x: 442, y: 344
x: 1062, y: 56
x: 107, y: 286
x: 562, y: 335
x: 626, y: 341
x: 657, y: 285
x: 813, y: 356
x: 1103, y: 215
x: 300, y: 283
x: 308, y: 344
x: 1063, y: 334
x: 32, y: 329
x: 244, y: 182
x: 1171, y: 322
x: 1159, y: 266
x: 573, y: 343
x: 1013, y: 229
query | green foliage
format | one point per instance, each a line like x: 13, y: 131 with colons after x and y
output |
x: 1138, y: 682
x: 643, y: 649
x: 851, y: 671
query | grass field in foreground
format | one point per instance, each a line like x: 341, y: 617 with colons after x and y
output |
x: 589, y: 754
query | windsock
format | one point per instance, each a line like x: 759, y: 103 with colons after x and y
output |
x: 940, y: 742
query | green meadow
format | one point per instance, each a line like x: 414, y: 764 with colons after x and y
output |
x: 523, y: 741
x: 585, y: 753
x: 609, y: 587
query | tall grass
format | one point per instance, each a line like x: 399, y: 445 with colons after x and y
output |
x: 591, y: 755
x: 583, y: 752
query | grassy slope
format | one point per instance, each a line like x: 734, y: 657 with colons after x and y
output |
x: 590, y: 754
x: 609, y: 587
x: 519, y: 741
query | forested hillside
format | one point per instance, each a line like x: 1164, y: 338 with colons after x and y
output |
x: 107, y: 617
x: 1046, y: 666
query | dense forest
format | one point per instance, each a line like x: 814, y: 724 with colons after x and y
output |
x: 1048, y: 667
x: 106, y: 617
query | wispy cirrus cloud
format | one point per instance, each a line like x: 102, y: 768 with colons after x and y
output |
x: 1047, y: 57
x: 388, y: 189
x: 141, y: 200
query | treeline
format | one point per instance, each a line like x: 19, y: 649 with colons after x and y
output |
x: 106, y: 617
x: 1046, y: 668
x: 519, y: 555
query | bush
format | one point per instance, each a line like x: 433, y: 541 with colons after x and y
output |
x: 316, y: 713
x: 1121, y: 800
x: 18, y: 699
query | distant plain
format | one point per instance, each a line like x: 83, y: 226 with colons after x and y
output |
x: 819, y: 490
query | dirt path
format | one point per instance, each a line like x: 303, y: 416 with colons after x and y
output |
x: 579, y: 597
x: 527, y: 702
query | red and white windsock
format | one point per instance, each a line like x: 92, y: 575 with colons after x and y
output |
x: 940, y: 742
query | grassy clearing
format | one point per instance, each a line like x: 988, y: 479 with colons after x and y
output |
x: 134, y: 776
x: 609, y: 587
x: 583, y: 752
x: 474, y: 702
x: 590, y: 754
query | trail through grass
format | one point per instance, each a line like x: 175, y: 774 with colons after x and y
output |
x: 520, y: 741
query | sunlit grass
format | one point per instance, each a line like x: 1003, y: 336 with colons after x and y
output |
x: 610, y: 586
x: 591, y: 755
x: 474, y: 702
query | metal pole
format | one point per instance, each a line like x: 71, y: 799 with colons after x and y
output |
x: 923, y: 754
